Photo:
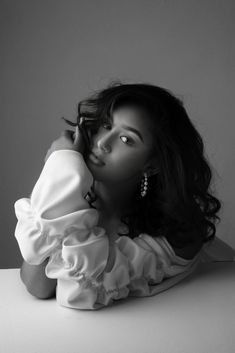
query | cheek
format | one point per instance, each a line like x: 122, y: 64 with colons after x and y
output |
x: 130, y: 163
x: 127, y: 164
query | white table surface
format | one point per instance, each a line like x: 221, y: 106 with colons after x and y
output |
x: 197, y: 315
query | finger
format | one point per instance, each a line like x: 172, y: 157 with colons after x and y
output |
x: 67, y: 133
x: 76, y: 136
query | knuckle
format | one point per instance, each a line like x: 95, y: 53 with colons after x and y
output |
x: 66, y: 133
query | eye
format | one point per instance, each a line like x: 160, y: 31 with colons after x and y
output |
x: 107, y: 126
x: 127, y: 140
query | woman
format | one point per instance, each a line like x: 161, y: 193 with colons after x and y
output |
x: 153, y: 209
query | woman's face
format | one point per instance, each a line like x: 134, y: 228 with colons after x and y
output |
x: 121, y: 148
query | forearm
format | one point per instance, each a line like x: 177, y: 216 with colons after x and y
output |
x: 36, y: 281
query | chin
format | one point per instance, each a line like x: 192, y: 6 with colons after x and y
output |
x: 105, y: 175
x: 101, y: 175
x: 96, y: 172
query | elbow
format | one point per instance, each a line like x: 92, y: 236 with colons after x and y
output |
x: 38, y: 288
x: 41, y: 293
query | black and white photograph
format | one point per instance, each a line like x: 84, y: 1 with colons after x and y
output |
x: 117, y: 176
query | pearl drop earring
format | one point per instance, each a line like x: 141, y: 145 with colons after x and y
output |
x: 144, y: 185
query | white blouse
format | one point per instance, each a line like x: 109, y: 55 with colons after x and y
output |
x: 91, y: 270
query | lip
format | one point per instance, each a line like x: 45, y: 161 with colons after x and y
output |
x: 96, y: 160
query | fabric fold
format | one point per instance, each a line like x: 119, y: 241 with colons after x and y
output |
x: 92, y: 271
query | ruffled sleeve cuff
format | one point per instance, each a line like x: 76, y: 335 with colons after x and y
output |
x: 56, y: 206
x: 94, y: 273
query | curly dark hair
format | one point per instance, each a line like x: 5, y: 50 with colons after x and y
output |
x: 179, y: 203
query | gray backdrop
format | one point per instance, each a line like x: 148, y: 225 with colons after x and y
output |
x: 54, y: 52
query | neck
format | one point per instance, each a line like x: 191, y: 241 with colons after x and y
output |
x: 114, y: 199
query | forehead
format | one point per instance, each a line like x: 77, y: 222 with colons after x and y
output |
x: 135, y: 117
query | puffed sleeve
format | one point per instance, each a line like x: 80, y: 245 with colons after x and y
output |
x: 94, y: 273
x: 56, y: 207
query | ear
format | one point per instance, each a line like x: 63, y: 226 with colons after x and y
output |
x: 152, y: 168
x: 151, y: 172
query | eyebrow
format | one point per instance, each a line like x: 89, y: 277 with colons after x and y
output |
x: 135, y: 131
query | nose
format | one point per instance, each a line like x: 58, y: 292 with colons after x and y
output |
x: 104, y: 145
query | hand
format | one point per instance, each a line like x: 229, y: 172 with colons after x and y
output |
x: 67, y: 141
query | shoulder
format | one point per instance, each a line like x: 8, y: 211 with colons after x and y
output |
x: 162, y: 243
x: 188, y: 252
